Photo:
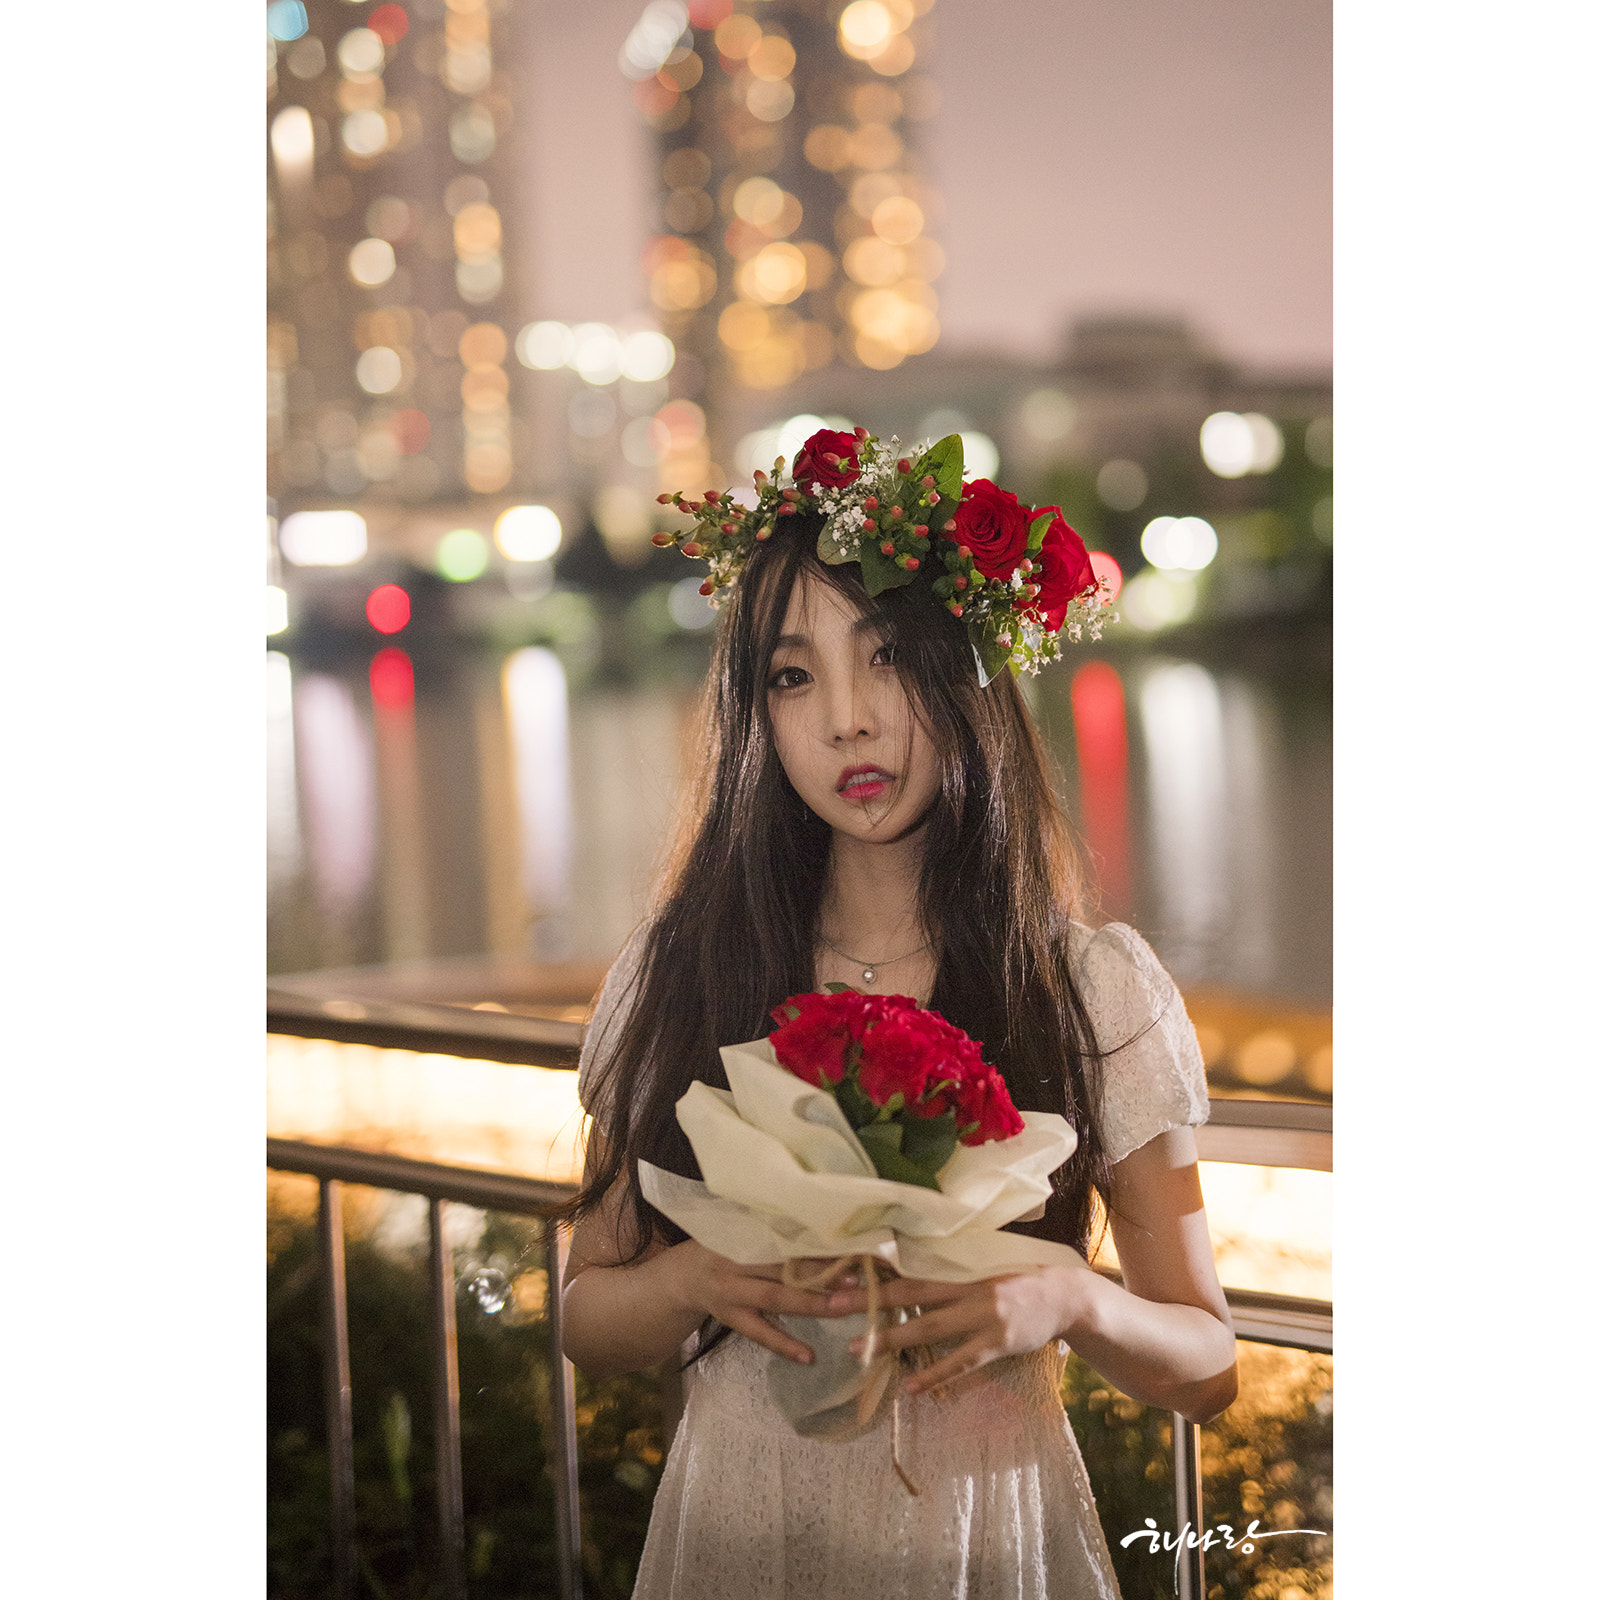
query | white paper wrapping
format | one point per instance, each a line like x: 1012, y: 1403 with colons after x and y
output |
x: 785, y: 1177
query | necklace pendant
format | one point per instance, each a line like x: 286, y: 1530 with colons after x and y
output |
x: 868, y: 974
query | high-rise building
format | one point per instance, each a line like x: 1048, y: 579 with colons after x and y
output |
x: 389, y: 323
x: 796, y: 212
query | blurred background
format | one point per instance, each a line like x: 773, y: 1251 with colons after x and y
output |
x: 530, y: 265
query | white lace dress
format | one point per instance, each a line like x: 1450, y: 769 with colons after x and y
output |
x: 749, y: 1510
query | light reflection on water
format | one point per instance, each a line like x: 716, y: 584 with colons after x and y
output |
x: 512, y: 811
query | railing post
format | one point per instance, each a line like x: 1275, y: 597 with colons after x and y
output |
x: 1189, y: 1508
x: 446, y: 1404
x: 563, y: 1421
x: 336, y: 1387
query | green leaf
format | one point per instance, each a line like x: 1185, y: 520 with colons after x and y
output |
x: 1037, y: 530
x: 876, y: 1136
x: 830, y: 550
x: 944, y: 461
x: 832, y: 988
x: 858, y: 1110
x: 878, y: 571
x: 992, y: 657
x: 930, y: 1141
x: 881, y: 1142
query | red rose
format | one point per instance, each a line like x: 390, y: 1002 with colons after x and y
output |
x: 815, y: 1044
x: 994, y: 526
x: 984, y: 1099
x: 811, y: 465
x: 1064, y: 571
x: 902, y: 1054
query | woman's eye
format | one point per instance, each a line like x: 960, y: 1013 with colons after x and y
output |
x: 883, y: 656
x: 788, y: 678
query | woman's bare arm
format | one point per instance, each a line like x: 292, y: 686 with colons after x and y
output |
x: 619, y: 1318
x: 1163, y: 1336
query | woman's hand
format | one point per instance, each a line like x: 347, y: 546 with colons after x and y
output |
x: 994, y: 1317
x: 743, y: 1297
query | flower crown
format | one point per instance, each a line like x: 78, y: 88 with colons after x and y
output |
x: 1018, y: 577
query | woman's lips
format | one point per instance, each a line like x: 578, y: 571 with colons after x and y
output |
x: 864, y: 783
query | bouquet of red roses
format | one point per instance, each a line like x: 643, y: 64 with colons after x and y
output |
x: 870, y: 1133
x: 910, y: 1084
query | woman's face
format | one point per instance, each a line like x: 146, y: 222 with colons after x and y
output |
x: 845, y: 728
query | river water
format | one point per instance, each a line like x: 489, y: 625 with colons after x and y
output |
x: 461, y: 801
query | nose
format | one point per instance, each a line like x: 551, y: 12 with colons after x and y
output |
x: 851, y: 711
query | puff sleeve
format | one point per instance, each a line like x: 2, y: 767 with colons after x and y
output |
x: 1153, y: 1075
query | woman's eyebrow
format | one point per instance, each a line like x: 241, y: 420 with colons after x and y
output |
x: 790, y: 641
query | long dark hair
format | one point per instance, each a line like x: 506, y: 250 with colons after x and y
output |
x: 735, y: 929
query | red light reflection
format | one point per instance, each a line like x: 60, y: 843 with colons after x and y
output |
x: 1105, y: 566
x: 388, y: 608
x: 1100, y: 723
x: 410, y: 431
x: 390, y: 23
x: 393, y: 683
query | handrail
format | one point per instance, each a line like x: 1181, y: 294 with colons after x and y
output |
x: 418, y: 1025
x: 471, y: 1186
x: 1267, y: 1133
x: 1274, y: 1133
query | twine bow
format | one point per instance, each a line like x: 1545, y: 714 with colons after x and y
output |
x: 880, y: 1367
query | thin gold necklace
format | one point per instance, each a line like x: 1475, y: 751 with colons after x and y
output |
x: 869, y: 969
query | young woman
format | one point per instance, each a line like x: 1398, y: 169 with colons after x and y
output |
x: 870, y: 813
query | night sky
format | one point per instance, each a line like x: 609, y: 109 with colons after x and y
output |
x: 1095, y: 155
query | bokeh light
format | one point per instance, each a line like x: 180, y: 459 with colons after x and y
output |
x: 277, y: 609
x: 462, y: 555
x: 980, y: 456
x: 690, y: 609
x: 775, y: 275
x: 323, y: 538
x: 596, y: 353
x: 411, y: 431
x: 390, y: 23
x: 865, y: 27
x: 1181, y: 544
x: 769, y: 102
x: 379, y: 370
x: 1234, y: 444
x: 365, y: 133
x: 737, y: 36
x: 771, y: 58
x: 1152, y: 599
x: 1122, y: 485
x: 528, y: 533
x: 647, y: 356
x: 624, y: 519
x: 388, y: 608
x: 286, y: 19
x: 545, y: 346
x: 371, y: 262
x: 1106, y: 569
x: 482, y: 345
x: 360, y: 53
x: 1047, y: 416
x: 654, y: 36
x: 293, y: 142
x: 391, y: 677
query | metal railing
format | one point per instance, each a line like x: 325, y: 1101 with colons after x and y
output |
x: 1250, y: 1132
x: 333, y: 1167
